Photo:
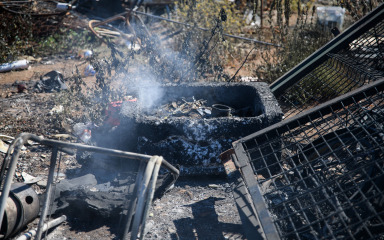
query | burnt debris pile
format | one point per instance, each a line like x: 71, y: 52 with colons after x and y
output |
x: 192, y: 133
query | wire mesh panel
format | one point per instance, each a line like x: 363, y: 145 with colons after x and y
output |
x: 320, y: 175
x: 354, y: 58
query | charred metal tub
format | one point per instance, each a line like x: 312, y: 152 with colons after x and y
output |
x: 193, y: 137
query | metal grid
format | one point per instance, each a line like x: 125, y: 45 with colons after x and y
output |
x: 320, y: 175
x: 352, y: 59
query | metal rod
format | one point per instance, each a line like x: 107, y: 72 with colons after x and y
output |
x: 131, y: 210
x: 111, y: 19
x: 323, y: 109
x: 8, y: 180
x: 141, y: 197
x: 205, y: 29
x: 45, y: 210
x: 151, y: 192
x: 30, y: 234
x: 111, y: 152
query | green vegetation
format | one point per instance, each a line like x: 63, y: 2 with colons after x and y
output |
x: 26, y: 35
x: 15, y: 36
x: 297, y: 41
x: 64, y: 41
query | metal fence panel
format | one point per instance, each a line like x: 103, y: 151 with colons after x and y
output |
x: 320, y: 174
x: 349, y: 61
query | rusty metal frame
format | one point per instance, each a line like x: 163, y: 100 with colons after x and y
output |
x: 144, y: 192
x: 347, y: 110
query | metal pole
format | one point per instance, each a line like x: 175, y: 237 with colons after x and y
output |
x: 131, y: 210
x: 141, y: 197
x: 49, y: 225
x: 48, y: 196
x: 151, y: 192
x: 9, y: 177
x: 111, y: 152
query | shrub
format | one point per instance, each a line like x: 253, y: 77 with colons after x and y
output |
x: 15, y: 36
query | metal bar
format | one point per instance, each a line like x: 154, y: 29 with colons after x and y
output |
x: 48, y: 196
x: 266, y: 224
x: 130, y: 213
x: 247, y: 212
x: 341, y: 41
x: 151, y: 192
x: 111, y: 152
x: 111, y: 19
x: 47, y: 226
x: 323, y: 109
x: 205, y: 29
x: 141, y: 197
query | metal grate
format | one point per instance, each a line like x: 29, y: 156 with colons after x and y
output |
x: 320, y: 174
x: 352, y: 59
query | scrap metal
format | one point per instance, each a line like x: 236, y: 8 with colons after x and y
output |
x: 144, y: 194
x: 184, y: 108
x: 319, y: 174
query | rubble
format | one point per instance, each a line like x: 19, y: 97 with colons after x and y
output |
x: 184, y: 108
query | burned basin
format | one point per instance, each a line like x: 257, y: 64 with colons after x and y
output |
x: 190, y: 125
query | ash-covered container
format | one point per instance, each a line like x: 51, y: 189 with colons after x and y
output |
x: 191, y: 124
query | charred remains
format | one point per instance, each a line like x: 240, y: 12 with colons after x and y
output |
x: 192, y: 124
